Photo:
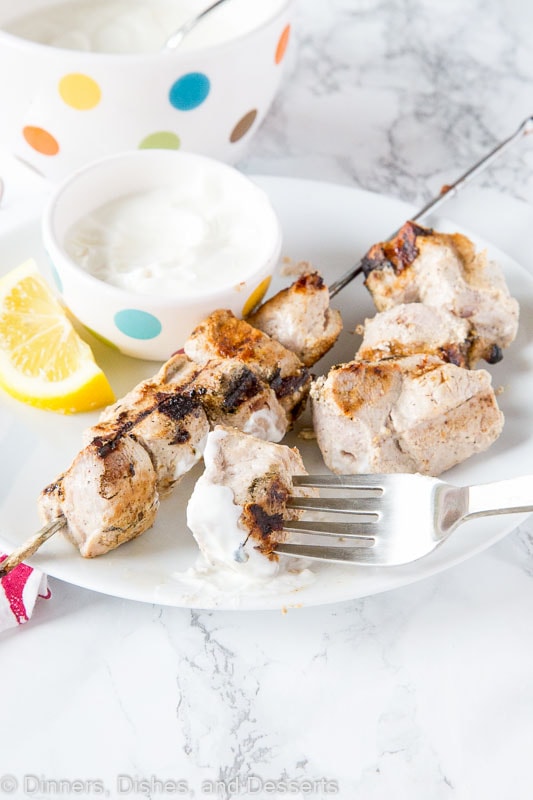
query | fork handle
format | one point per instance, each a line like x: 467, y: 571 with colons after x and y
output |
x: 501, y: 497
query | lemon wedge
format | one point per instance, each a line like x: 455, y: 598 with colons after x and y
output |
x: 43, y: 360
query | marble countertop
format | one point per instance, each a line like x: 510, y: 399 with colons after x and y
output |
x: 424, y: 691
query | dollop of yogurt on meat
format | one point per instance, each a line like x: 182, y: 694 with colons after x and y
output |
x: 238, y: 505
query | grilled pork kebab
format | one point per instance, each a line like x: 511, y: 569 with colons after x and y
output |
x: 231, y: 374
x: 235, y: 374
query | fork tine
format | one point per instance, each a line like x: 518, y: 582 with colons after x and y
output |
x: 343, y: 505
x: 363, y: 482
x: 354, y: 555
x: 352, y: 530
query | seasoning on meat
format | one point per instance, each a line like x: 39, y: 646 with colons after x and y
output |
x: 445, y: 270
x: 222, y: 335
x: 233, y: 394
x: 165, y: 417
x: 411, y: 328
x: 412, y: 414
x: 107, y: 496
x: 300, y: 318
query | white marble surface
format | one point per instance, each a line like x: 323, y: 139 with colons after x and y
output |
x: 423, y: 692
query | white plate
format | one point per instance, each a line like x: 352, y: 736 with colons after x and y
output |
x: 331, y: 226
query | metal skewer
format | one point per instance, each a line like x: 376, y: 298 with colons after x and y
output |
x: 445, y: 194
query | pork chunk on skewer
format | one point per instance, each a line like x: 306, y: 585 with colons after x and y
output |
x: 238, y: 505
x: 232, y: 394
x: 145, y: 443
x: 222, y: 335
x: 300, y: 318
x: 172, y: 412
x: 107, y: 496
x: 413, y: 328
x: 412, y: 414
x: 165, y: 417
x: 444, y: 270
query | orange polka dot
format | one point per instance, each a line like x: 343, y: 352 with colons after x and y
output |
x: 256, y: 296
x: 41, y: 140
x: 282, y: 44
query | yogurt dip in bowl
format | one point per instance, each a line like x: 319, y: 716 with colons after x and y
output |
x: 134, y: 26
x: 146, y: 244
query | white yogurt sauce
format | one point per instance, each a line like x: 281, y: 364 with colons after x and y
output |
x: 189, y: 238
x: 268, y: 423
x: 214, y: 519
x: 137, y: 26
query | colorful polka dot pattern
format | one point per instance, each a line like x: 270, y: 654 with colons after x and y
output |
x: 160, y: 140
x: 141, y: 325
x: 79, y: 91
x: 40, y: 140
x: 137, y: 324
x: 189, y: 91
x: 256, y: 296
x: 283, y: 42
x: 243, y: 125
x: 82, y: 92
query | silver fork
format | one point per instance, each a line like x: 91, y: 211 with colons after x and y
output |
x: 394, y: 519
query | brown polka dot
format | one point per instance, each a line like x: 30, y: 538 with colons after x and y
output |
x: 41, y: 140
x: 282, y: 44
x: 243, y: 125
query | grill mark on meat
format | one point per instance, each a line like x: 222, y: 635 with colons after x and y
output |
x: 241, y: 387
x: 454, y: 354
x: 494, y: 354
x: 264, y: 515
x: 106, y: 445
x: 181, y: 436
x: 233, y: 340
x: 176, y: 406
x: 283, y: 387
x: 309, y: 280
x: 262, y: 525
x: 54, y: 488
x: 398, y: 253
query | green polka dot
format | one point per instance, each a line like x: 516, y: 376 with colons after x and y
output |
x: 160, y: 140
x: 55, y: 275
x: 137, y: 324
x: 102, y: 339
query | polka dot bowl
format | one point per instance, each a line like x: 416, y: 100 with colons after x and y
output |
x: 64, y: 108
x: 154, y: 325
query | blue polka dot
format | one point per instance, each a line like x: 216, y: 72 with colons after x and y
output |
x: 55, y: 275
x: 189, y: 91
x: 138, y: 324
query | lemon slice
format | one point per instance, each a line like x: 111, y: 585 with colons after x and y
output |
x: 43, y: 361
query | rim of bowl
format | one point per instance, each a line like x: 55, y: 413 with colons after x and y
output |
x: 52, y: 245
x: 166, y: 53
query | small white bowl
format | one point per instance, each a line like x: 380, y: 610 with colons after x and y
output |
x: 153, y: 326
